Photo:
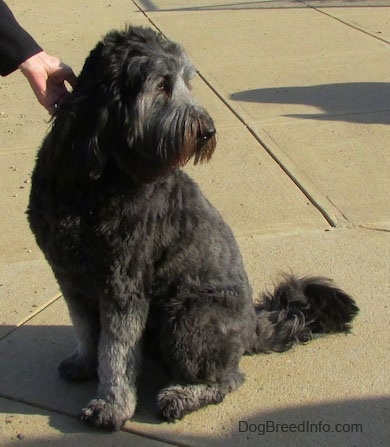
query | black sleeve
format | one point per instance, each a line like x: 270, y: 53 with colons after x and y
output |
x: 16, y: 44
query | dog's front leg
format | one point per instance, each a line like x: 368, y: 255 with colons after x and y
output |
x: 122, y: 327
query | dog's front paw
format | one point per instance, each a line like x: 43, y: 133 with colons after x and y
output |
x: 103, y: 414
x: 77, y: 368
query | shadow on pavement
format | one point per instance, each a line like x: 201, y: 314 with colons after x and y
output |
x: 29, y: 357
x: 359, y: 102
x: 349, y: 423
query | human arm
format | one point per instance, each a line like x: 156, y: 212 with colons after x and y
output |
x: 46, y: 74
x: 16, y: 44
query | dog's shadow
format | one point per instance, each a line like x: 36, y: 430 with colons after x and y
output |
x: 152, y: 379
x: 30, y: 354
x: 29, y: 359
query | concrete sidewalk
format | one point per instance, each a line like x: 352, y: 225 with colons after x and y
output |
x: 300, y: 92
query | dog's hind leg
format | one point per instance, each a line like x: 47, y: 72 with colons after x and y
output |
x: 175, y: 401
x: 201, y: 343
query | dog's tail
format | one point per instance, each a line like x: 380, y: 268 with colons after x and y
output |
x: 299, y: 308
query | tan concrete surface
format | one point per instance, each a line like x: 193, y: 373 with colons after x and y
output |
x: 362, y: 14
x: 300, y: 95
x: 25, y: 426
x: 26, y: 284
x: 256, y: 174
x: 346, y: 159
x: 299, y: 65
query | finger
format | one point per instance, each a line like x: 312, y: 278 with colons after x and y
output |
x: 68, y: 75
x: 72, y: 79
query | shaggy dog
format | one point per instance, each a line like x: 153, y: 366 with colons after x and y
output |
x: 138, y: 251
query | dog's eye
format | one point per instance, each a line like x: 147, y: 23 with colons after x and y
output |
x: 164, y: 85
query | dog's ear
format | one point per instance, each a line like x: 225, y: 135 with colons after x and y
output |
x: 80, y: 123
x: 95, y: 159
x: 93, y: 145
x: 77, y: 140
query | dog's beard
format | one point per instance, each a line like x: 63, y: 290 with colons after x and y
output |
x: 184, y: 135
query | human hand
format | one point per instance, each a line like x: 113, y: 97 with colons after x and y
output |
x: 47, y: 75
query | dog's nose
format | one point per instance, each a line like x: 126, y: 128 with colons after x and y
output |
x: 206, y: 134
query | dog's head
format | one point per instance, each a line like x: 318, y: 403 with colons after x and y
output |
x: 133, y: 107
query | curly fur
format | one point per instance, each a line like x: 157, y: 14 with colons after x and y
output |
x: 139, y: 252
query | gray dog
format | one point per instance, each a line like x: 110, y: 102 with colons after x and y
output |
x: 141, y: 256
